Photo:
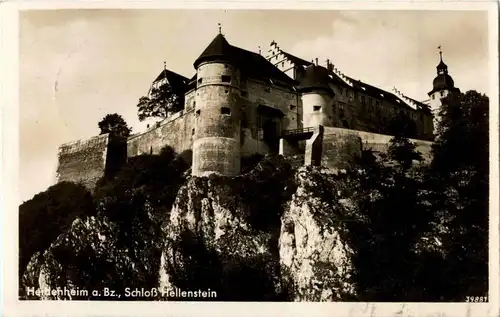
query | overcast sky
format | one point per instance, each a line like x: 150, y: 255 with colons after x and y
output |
x: 76, y: 66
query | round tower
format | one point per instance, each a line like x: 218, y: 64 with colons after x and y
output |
x: 316, y: 97
x: 442, y: 86
x: 216, y: 141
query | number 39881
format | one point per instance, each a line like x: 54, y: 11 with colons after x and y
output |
x: 476, y: 299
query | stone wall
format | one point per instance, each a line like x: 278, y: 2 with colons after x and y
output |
x: 277, y: 97
x: 176, y: 132
x: 83, y: 161
x: 340, y: 146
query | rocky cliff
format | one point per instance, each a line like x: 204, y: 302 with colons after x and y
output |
x: 272, y: 234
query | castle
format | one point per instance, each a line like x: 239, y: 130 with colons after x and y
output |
x: 240, y: 103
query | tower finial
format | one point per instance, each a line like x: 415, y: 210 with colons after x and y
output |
x: 440, y: 52
x: 259, y: 50
x: 220, y: 28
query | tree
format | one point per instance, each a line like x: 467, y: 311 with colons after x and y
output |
x: 161, y: 102
x: 460, y: 169
x: 402, y: 125
x: 404, y: 152
x: 115, y: 125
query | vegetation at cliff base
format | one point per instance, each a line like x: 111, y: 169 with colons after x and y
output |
x: 48, y: 214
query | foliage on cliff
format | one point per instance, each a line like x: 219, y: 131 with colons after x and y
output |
x: 48, y: 214
x: 460, y: 175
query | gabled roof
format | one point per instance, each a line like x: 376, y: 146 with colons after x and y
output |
x: 251, y: 64
x: 296, y: 60
x: 175, y: 80
x: 378, y: 93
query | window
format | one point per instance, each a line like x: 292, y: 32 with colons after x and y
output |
x: 200, y: 80
x: 293, y: 107
x: 244, y: 93
x: 363, y: 100
x: 267, y: 89
x: 316, y: 108
x: 433, y: 97
x: 198, y: 113
x: 226, y: 91
x: 225, y: 111
x: 442, y: 93
x: 194, y: 103
x: 192, y: 132
x: 226, y: 79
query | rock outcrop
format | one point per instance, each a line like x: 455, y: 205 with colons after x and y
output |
x: 272, y: 234
x: 315, y: 254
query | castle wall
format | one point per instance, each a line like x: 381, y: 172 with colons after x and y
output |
x: 83, y: 161
x: 255, y: 93
x: 341, y: 145
x: 176, y: 132
x: 286, y: 101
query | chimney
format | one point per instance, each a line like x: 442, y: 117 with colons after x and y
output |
x: 316, y: 61
x: 329, y: 66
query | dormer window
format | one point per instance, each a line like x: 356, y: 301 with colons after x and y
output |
x: 226, y: 79
x: 225, y: 111
x: 316, y: 108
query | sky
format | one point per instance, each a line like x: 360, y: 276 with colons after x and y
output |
x: 76, y: 66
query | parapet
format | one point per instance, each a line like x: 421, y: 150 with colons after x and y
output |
x: 87, y: 161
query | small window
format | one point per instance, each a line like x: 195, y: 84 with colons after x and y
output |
x: 200, y: 80
x: 226, y: 91
x: 198, y: 113
x: 442, y: 93
x: 433, y: 97
x: 226, y: 79
x: 283, y: 64
x: 194, y: 103
x: 226, y: 66
x: 267, y: 89
x: 293, y: 107
x: 225, y: 111
x: 192, y: 132
x: 316, y: 108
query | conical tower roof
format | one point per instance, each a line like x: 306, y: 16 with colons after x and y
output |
x: 218, y: 49
x: 315, y: 77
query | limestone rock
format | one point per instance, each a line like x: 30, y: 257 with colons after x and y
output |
x: 315, y: 254
x: 211, y: 243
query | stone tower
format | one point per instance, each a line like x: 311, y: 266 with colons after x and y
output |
x: 442, y: 86
x: 216, y: 141
x: 316, y: 97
